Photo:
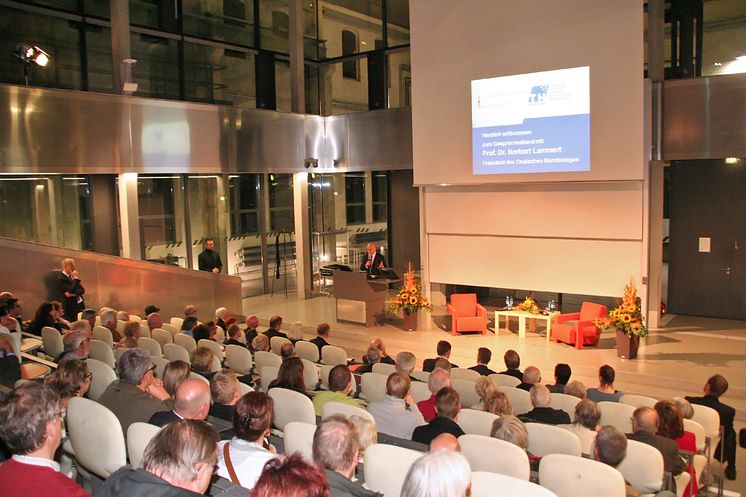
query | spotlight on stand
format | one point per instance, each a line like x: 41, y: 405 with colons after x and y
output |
x: 29, y: 54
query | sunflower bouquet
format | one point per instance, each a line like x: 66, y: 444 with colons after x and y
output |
x: 410, y: 298
x: 528, y: 305
x: 627, y: 317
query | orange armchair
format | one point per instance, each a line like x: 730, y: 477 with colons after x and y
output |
x: 466, y: 314
x: 579, y: 327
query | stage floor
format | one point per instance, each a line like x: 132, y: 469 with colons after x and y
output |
x: 673, y: 360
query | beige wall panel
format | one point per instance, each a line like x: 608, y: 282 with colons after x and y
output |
x: 590, y: 267
x: 577, y: 210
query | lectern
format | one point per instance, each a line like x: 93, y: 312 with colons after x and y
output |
x: 358, y: 298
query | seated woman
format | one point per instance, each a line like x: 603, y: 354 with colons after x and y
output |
x: 44, y: 317
x: 485, y: 388
x: 71, y: 379
x: 290, y: 376
x: 512, y: 429
x: 585, y: 424
x: 201, y: 332
x: 131, y: 335
x: 498, y: 402
x: 605, y: 391
x: 58, y: 314
x: 202, y: 362
x: 260, y: 343
x: 242, y: 458
x: 671, y: 425
x: 295, y: 332
x: 174, y: 374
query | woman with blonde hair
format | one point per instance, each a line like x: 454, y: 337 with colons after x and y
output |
x: 498, y: 403
x: 174, y: 374
x: 485, y: 388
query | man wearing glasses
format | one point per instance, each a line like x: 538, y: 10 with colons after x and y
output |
x: 137, y: 394
x: 31, y: 430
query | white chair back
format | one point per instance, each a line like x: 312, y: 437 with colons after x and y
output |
x: 216, y: 365
x: 476, y: 422
x: 263, y: 359
x: 330, y: 408
x: 617, y: 415
x: 176, y: 322
x: 144, y: 329
x: 119, y: 352
x: 466, y: 391
x: 310, y: 374
x: 464, y: 374
x: 135, y: 318
x: 102, y: 376
x: 215, y: 347
x: 120, y: 326
x: 565, y: 402
x: 504, y: 380
x: 299, y: 438
x: 220, y: 335
x: 244, y: 388
x: 160, y: 365
x: 571, y: 476
x: 386, y: 467
x: 383, y: 368
x: 486, y: 484
x: 197, y: 376
x: 102, y: 352
x: 96, y: 437
x: 291, y: 406
x: 638, y: 400
x: 170, y: 328
x: 373, y: 386
x: 520, y: 399
x: 51, y: 340
x: 104, y: 335
x: 699, y: 433
x: 174, y: 352
x: 494, y: 455
x: 307, y: 350
x: 185, y: 341
x: 423, y: 376
x: 333, y: 355
x: 420, y: 391
x: 149, y: 345
x: 139, y: 436
x: 324, y: 373
x: 709, y: 419
x: 161, y: 336
x: 238, y: 359
x: 267, y: 375
x: 547, y: 439
x: 642, y: 467
x: 275, y: 344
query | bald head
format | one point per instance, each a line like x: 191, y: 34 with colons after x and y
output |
x: 252, y: 322
x: 645, y: 419
x: 445, y: 442
x: 439, y: 378
x: 192, y: 399
x: 532, y: 375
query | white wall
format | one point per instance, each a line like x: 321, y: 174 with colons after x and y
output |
x: 566, y: 232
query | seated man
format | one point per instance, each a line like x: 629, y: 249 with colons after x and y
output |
x: 137, y: 394
x: 90, y: 316
x: 225, y: 390
x: 322, y: 336
x: 512, y: 362
x: 562, y: 373
x: 336, y: 448
x: 109, y: 321
x: 372, y: 356
x: 190, y: 311
x: 439, y: 378
x: 397, y: 414
x: 715, y: 387
x: 178, y: 462
x: 531, y: 377
x: 385, y: 358
x: 484, y: 356
x: 541, y: 398
x: 405, y: 362
x: 233, y: 333
x: 31, y: 431
x: 644, y: 428
x: 447, y: 406
x: 444, y: 350
x: 154, y: 321
x: 341, y: 386
x: 75, y: 347
x: 287, y: 351
x: 191, y: 401
x: 188, y: 326
x: 275, y: 324
x: 252, y: 323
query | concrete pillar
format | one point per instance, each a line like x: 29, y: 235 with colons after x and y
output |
x: 297, y: 74
x: 120, y: 45
x: 129, y: 215
x: 302, y: 235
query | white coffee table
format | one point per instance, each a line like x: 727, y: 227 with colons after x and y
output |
x: 522, y: 317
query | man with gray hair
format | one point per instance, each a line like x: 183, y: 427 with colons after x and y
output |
x: 541, y: 398
x: 178, y: 462
x: 137, y: 394
x: 531, y: 377
x: 191, y: 401
x: 336, y: 448
x: 405, y: 362
x: 31, y: 430
x: 83, y: 327
x: 372, y: 356
x: 397, y: 414
x: 644, y: 427
x: 109, y: 321
x: 75, y: 347
x: 90, y: 316
x: 439, y: 378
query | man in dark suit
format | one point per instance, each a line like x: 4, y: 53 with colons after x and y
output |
x: 208, y: 259
x: 644, y: 427
x: 322, y: 334
x: 484, y: 356
x: 234, y: 332
x: 372, y: 356
x: 373, y: 262
x: 444, y: 351
x: 531, y: 377
x: 512, y: 362
x: 70, y: 290
x: 385, y: 358
x: 447, y: 405
x: 562, y: 373
x: 275, y: 323
x: 541, y: 398
x: 715, y: 387
x: 191, y: 401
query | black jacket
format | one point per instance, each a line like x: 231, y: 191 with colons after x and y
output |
x: 270, y: 333
x: 163, y: 418
x: 339, y: 486
x: 516, y: 373
x: 429, y: 364
x: 482, y: 369
x: 209, y: 259
x: 547, y: 416
x: 439, y: 425
x: 727, y: 413
x: 139, y: 483
x: 319, y: 342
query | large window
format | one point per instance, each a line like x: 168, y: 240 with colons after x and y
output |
x: 380, y: 194
x: 281, y: 216
x: 355, y: 197
x: 349, y: 47
x: 244, y: 192
x: 218, y: 75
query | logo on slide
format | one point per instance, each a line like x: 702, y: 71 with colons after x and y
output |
x: 538, y: 94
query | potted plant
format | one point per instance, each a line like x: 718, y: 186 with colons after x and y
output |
x: 409, y: 300
x: 528, y: 305
x: 628, y: 323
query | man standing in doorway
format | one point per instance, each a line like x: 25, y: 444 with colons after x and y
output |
x: 209, y: 260
x: 374, y: 261
x: 70, y: 290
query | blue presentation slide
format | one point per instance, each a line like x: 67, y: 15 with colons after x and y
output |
x: 532, y: 123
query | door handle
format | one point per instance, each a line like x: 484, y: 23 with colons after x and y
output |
x: 726, y: 270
